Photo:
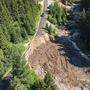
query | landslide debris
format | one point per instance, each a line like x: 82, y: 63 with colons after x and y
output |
x: 54, y: 57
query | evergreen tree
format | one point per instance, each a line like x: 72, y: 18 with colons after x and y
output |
x: 57, y: 15
x: 84, y: 28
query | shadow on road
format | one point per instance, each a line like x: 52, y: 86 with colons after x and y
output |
x: 70, y: 52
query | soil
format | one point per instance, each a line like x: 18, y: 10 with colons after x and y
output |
x: 52, y: 57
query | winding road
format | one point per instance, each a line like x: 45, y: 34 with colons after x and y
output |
x: 42, y: 22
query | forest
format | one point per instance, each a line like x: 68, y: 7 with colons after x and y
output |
x: 17, y: 22
x: 18, y: 19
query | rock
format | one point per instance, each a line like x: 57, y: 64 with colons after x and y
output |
x: 51, y: 38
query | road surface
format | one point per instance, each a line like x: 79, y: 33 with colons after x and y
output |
x: 42, y: 19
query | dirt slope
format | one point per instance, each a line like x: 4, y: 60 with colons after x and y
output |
x: 51, y: 57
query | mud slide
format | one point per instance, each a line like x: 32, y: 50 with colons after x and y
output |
x: 58, y: 58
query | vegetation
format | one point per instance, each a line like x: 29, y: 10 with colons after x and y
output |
x: 51, y: 30
x: 18, y: 19
x: 84, y: 29
x: 84, y: 25
x: 85, y: 4
x: 46, y: 84
x: 69, y: 2
x: 57, y: 15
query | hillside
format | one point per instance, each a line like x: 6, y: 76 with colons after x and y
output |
x: 44, y: 45
x: 68, y: 68
x: 18, y: 20
x: 61, y: 56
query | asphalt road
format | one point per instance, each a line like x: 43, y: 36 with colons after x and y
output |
x: 42, y: 20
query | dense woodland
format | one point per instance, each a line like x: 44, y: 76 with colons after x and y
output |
x: 18, y: 19
x: 57, y: 15
x: 84, y: 25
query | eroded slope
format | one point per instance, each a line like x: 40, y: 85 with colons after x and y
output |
x: 55, y: 58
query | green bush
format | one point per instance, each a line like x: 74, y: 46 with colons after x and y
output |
x: 57, y: 15
x: 47, y: 84
x: 18, y: 18
x: 51, y: 30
